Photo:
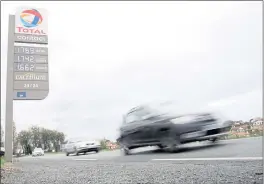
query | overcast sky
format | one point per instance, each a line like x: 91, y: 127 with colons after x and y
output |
x: 106, y: 58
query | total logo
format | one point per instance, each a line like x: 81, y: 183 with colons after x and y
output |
x: 30, y: 20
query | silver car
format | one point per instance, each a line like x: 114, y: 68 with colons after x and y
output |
x: 80, y: 146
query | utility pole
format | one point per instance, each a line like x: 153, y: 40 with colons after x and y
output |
x: 9, y: 92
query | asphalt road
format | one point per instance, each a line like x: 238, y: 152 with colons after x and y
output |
x: 233, y: 161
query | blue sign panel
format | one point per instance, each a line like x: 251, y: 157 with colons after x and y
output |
x: 21, y: 94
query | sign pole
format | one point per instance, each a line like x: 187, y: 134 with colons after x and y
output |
x: 9, y: 92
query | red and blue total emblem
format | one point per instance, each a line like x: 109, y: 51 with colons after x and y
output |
x: 31, y: 18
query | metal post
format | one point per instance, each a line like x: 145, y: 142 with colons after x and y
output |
x: 9, y: 92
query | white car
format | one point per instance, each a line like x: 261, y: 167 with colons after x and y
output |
x: 79, y: 146
x: 38, y: 152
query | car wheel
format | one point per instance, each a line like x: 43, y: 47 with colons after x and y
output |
x: 97, y: 150
x: 171, y: 144
x: 161, y: 146
x: 214, y: 140
x: 67, y: 154
x: 77, y: 154
x: 125, y: 151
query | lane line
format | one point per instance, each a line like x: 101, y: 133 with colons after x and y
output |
x: 208, y: 159
x: 85, y: 159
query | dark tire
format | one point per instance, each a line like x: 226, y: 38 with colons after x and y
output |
x: 161, y: 146
x: 67, y: 154
x: 171, y: 144
x: 214, y: 140
x: 125, y: 151
x: 77, y: 154
x: 97, y: 150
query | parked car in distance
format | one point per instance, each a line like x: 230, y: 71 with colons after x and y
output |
x: 37, y: 152
x: 81, y: 146
x: 144, y: 126
x: 2, y: 151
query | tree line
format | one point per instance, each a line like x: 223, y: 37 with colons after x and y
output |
x: 39, y: 137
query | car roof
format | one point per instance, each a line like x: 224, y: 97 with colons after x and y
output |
x: 137, y: 108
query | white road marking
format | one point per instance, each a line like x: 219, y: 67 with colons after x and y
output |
x: 208, y: 159
x: 85, y: 159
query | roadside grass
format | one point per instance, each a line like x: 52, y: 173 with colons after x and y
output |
x: 2, y: 161
x: 241, y: 137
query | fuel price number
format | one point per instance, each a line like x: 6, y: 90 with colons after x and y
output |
x: 25, y: 58
x: 24, y: 67
x: 25, y: 50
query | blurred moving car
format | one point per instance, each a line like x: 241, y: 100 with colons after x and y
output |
x: 80, y: 146
x: 2, y: 151
x: 38, y: 152
x: 144, y: 126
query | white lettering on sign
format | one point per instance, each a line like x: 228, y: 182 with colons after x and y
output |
x: 25, y: 58
x: 31, y: 38
x: 31, y: 86
x: 31, y: 76
x: 26, y: 50
x: 25, y: 67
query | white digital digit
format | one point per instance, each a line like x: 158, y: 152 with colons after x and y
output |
x: 31, y: 68
x: 32, y: 50
x: 19, y: 59
x: 26, y: 67
x: 27, y: 50
x: 20, y: 67
x: 27, y: 58
x: 22, y: 58
x: 31, y: 58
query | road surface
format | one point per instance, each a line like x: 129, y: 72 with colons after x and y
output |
x: 232, y: 161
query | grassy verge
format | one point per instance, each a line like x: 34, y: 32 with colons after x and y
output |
x: 230, y: 136
x: 2, y: 161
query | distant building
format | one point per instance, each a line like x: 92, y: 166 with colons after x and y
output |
x: 240, y: 128
x: 257, y: 124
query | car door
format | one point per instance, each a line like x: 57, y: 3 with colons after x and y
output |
x: 145, y: 134
x: 132, y: 130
